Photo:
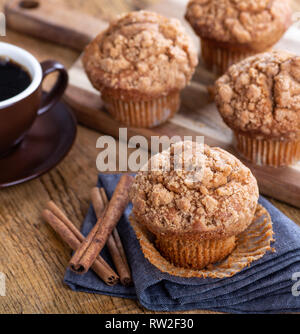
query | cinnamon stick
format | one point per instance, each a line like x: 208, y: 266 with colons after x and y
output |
x: 72, y: 236
x: 116, y: 233
x: 85, y: 256
x: 114, y: 244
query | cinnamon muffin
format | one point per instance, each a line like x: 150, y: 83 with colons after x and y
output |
x: 231, y: 30
x: 140, y: 64
x: 195, y: 212
x: 259, y: 98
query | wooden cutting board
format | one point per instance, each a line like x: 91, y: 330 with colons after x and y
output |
x: 53, y: 21
x: 198, y: 115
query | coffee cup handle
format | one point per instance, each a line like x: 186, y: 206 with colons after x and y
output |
x: 52, y: 97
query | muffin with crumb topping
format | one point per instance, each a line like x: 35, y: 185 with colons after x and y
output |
x: 231, y: 30
x: 196, y: 200
x: 259, y: 99
x: 140, y: 64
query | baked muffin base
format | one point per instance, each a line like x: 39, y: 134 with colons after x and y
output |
x: 251, y: 245
x: 268, y: 152
x: 143, y: 114
x: 218, y: 58
x: 194, y: 253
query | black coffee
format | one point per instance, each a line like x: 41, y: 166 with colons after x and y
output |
x: 14, y: 78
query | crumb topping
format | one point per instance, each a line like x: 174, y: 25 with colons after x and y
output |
x: 259, y: 22
x: 213, y: 195
x: 141, y: 51
x: 262, y: 95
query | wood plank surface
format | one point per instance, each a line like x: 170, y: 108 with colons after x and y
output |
x: 65, y: 26
x: 31, y: 255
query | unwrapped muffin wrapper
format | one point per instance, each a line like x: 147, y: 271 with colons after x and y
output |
x: 252, y: 245
x: 268, y: 152
x: 143, y: 114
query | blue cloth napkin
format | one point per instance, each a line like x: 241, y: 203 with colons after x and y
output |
x: 264, y: 287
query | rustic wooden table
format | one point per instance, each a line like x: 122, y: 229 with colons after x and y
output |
x: 32, y: 256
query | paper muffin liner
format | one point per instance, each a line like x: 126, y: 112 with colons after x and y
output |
x: 218, y: 58
x: 267, y: 152
x: 143, y: 114
x: 194, y: 254
x: 251, y: 245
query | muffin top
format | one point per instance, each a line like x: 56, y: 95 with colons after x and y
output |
x: 141, y: 53
x: 213, y: 196
x: 256, y: 23
x: 261, y: 96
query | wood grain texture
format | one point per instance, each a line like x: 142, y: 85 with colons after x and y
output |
x: 65, y: 26
x: 31, y: 255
